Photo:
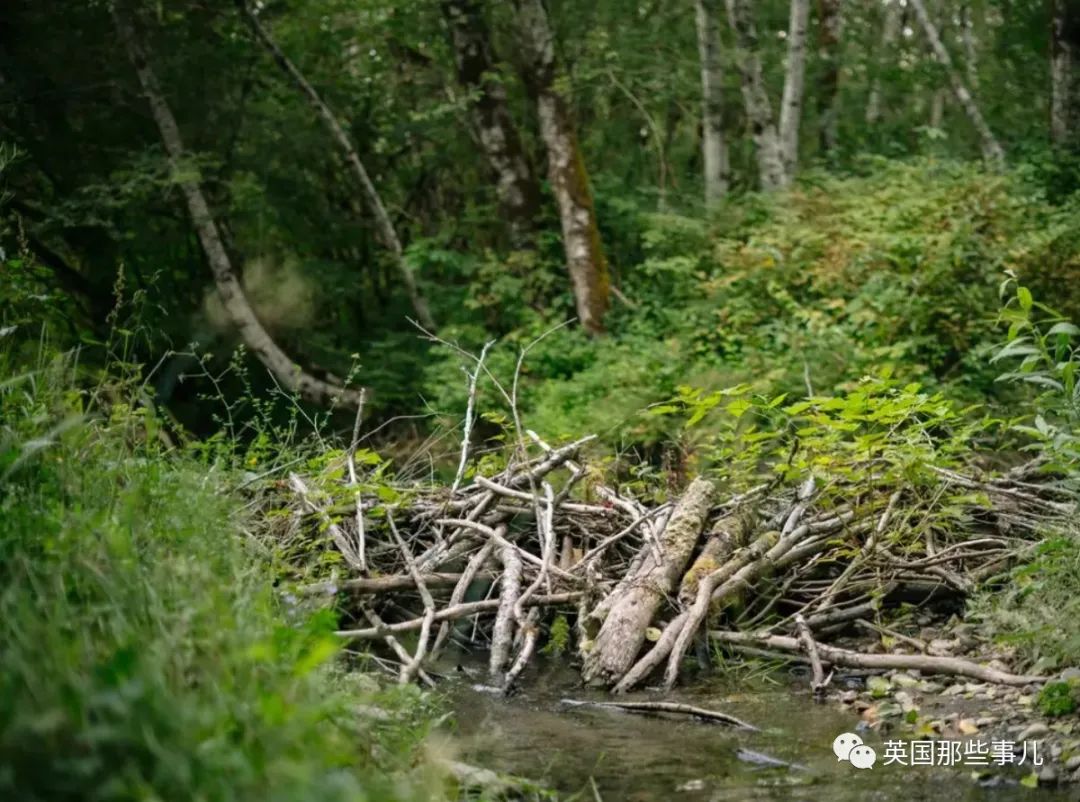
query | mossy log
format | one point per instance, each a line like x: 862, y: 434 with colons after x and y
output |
x: 634, y: 603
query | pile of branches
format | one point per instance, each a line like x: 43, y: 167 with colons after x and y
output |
x: 778, y: 569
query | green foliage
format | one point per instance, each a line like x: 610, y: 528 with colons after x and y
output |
x: 1057, y: 699
x: 145, y: 653
x: 1037, y: 610
x: 1047, y: 346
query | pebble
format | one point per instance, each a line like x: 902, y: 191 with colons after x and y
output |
x: 1070, y: 674
x: 1073, y: 763
x: 1033, y: 731
x: 1047, y: 775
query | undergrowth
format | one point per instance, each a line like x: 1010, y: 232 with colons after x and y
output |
x: 143, y: 651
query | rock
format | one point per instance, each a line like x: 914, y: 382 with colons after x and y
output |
x: 967, y: 727
x: 985, y: 721
x: 848, y: 697
x: 1070, y: 674
x: 904, y: 680
x: 1047, y: 775
x: 1036, y: 730
x: 941, y: 647
x: 926, y: 686
x: 953, y: 690
x: 1073, y: 763
x: 692, y: 785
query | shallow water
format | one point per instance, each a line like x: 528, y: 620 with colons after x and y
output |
x: 641, y: 758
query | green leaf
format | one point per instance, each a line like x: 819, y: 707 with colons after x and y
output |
x: 1023, y: 294
x: 1064, y: 327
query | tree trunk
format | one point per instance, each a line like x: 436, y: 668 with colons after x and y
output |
x: 831, y: 23
x: 713, y: 145
x: 889, y: 33
x: 794, y: 83
x: 231, y: 292
x: 516, y: 185
x: 991, y: 149
x: 628, y: 615
x: 384, y: 227
x: 566, y: 170
x: 756, y: 98
x: 1064, y: 77
x: 971, y: 53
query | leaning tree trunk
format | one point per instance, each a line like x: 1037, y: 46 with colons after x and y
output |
x: 713, y: 145
x: 229, y: 288
x: 756, y: 98
x: 889, y: 33
x: 991, y: 149
x: 384, y: 226
x: 1065, y: 71
x: 628, y: 611
x: 516, y: 185
x: 831, y: 23
x: 794, y: 83
x: 566, y: 170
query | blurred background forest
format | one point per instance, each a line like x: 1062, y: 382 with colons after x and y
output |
x: 787, y: 194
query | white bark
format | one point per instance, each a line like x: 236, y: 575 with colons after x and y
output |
x: 794, y: 82
x: 229, y: 288
x: 756, y: 98
x: 991, y: 149
x: 384, y: 226
x: 566, y: 170
x: 713, y: 144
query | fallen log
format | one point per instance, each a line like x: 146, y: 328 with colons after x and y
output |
x: 952, y: 666
x: 622, y: 630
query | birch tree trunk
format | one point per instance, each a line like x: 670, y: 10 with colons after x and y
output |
x: 794, y: 83
x: 889, y: 33
x: 831, y: 20
x: 566, y: 170
x: 991, y: 149
x: 229, y: 288
x: 713, y: 145
x: 1064, y: 66
x: 515, y: 182
x: 756, y: 98
x: 384, y: 226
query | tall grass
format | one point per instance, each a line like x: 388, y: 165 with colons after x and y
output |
x: 143, y: 653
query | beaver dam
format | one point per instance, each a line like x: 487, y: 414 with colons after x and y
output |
x: 835, y: 568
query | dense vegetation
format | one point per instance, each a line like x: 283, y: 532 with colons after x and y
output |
x: 425, y: 178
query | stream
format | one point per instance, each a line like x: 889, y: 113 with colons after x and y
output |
x: 646, y: 759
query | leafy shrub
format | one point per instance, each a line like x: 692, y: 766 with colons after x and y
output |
x: 145, y: 654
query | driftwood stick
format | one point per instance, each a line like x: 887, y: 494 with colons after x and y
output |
x: 818, y: 682
x: 471, y: 572
x: 652, y: 659
x: 395, y: 645
x: 509, y: 590
x: 659, y: 708
x: 361, y: 536
x: 463, y: 610
x: 408, y: 671
x: 954, y: 666
x: 374, y: 585
x: 470, y: 406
